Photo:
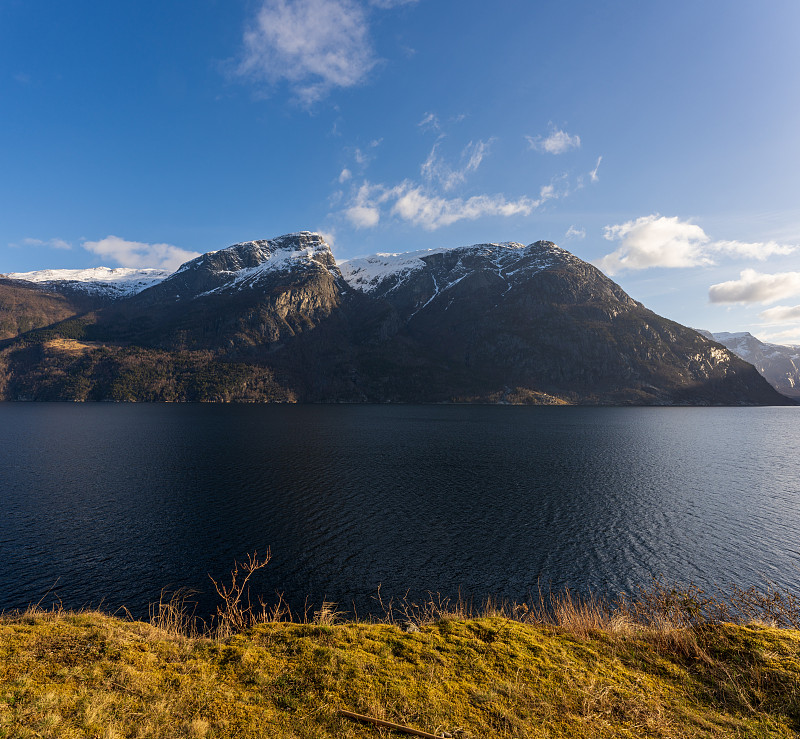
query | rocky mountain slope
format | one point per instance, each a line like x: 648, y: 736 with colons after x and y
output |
x: 780, y: 365
x: 280, y: 320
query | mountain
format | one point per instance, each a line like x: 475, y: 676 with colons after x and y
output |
x: 780, y: 365
x: 99, y: 282
x: 24, y: 306
x: 280, y: 320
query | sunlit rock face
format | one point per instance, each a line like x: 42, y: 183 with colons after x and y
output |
x: 780, y: 365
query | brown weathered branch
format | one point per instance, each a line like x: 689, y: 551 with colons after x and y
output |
x: 387, y: 724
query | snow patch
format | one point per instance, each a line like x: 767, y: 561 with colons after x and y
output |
x: 369, y: 273
x: 282, y: 254
x: 114, y: 281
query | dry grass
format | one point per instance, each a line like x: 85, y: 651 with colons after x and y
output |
x: 70, y: 346
x: 657, y: 607
x: 667, y: 662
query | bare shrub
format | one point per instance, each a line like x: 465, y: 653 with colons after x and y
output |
x: 236, y: 612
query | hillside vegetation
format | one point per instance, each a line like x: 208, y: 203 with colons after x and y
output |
x: 582, y: 671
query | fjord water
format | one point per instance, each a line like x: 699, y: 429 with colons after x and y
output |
x: 104, y: 505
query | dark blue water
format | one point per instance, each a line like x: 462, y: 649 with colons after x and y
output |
x: 113, y: 502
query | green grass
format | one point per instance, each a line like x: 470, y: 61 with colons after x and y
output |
x: 91, y: 675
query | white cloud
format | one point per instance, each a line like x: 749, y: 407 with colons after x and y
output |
x: 781, y: 314
x: 138, y: 254
x: 755, y: 287
x: 789, y: 336
x: 363, y: 216
x: 593, y: 174
x: 52, y: 243
x: 432, y: 212
x: 434, y: 168
x: 752, y: 250
x: 575, y: 233
x: 429, y: 120
x: 365, y: 156
x: 654, y: 241
x: 390, y: 3
x: 659, y: 241
x: 328, y: 236
x: 345, y: 175
x: 364, y: 211
x: 411, y: 202
x: 557, y: 142
x: 315, y: 45
x: 426, y: 203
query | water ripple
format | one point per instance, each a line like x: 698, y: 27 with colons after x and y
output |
x: 112, y: 503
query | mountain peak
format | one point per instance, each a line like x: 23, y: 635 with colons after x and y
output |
x: 303, y: 245
x: 379, y: 272
x: 248, y: 264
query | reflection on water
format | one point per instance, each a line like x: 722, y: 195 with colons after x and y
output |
x: 113, y: 502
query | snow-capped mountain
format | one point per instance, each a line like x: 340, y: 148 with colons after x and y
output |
x: 278, y: 319
x: 382, y: 273
x: 248, y: 266
x: 780, y: 365
x: 112, y: 283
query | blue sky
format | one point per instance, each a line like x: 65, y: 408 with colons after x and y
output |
x: 657, y: 140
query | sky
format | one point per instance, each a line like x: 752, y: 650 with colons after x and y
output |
x: 659, y: 141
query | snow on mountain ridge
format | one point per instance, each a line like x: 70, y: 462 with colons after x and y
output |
x: 777, y: 363
x: 244, y: 264
x: 111, y: 281
x: 247, y: 261
x: 369, y: 273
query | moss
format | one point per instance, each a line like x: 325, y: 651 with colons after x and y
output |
x: 91, y: 675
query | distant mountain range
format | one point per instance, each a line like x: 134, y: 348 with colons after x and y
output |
x: 780, y: 365
x: 280, y: 320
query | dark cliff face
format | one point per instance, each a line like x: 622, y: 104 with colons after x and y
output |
x: 279, y: 320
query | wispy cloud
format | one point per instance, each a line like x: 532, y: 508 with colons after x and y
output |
x: 345, y: 175
x: 314, y: 45
x: 659, y: 241
x: 436, y: 169
x: 429, y: 120
x: 593, y: 174
x: 429, y: 202
x: 138, y: 254
x: 756, y: 287
x: 328, y: 236
x: 432, y: 212
x: 759, y: 250
x: 556, y: 142
x: 781, y: 314
x: 575, y: 233
x: 789, y: 336
x: 415, y: 204
x: 390, y: 3
x: 364, y: 210
x: 52, y: 243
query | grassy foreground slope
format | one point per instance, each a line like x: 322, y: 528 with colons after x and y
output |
x: 92, y: 675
